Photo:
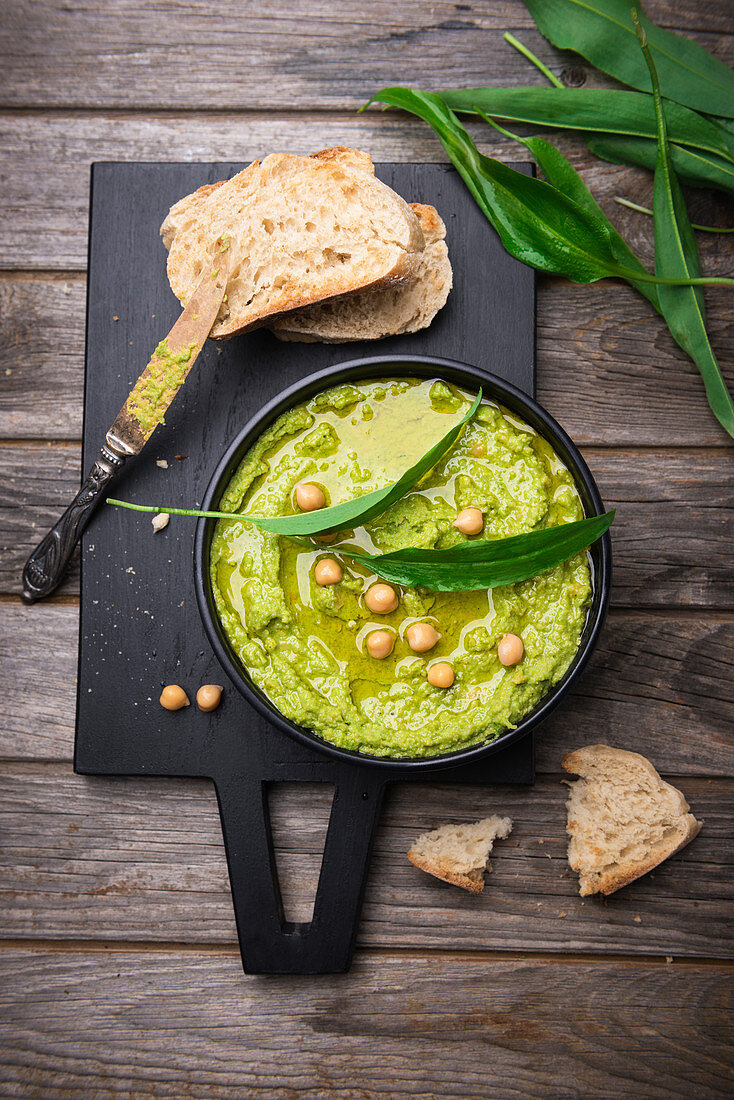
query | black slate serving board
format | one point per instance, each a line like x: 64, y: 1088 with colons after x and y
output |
x: 140, y: 626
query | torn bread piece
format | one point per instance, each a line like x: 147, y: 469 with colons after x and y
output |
x: 374, y: 314
x: 623, y: 819
x: 459, y: 854
x: 301, y: 230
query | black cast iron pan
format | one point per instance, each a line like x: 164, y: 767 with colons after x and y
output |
x: 470, y: 378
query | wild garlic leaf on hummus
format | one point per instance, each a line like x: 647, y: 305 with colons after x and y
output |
x: 488, y: 563
x: 360, y: 510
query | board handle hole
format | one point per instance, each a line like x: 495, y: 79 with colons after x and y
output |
x: 299, y: 818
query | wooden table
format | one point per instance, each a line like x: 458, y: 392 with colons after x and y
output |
x: 121, y: 974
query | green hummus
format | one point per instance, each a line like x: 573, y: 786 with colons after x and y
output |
x: 158, y: 383
x: 303, y: 644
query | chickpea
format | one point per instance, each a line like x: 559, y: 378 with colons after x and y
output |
x: 469, y: 521
x: 381, y: 598
x: 422, y: 637
x: 174, y: 697
x: 309, y: 497
x: 209, y: 696
x: 328, y: 571
x: 440, y: 675
x: 380, y: 644
x: 510, y: 650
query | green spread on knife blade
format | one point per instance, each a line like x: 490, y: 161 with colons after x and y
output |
x: 156, y: 388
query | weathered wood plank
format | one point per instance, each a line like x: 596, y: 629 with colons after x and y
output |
x: 671, y: 537
x: 607, y: 368
x: 116, y: 859
x: 42, y: 357
x: 660, y: 684
x: 79, y: 55
x: 156, y: 1024
x: 54, y: 151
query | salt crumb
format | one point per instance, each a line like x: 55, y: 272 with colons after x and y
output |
x: 8, y: 372
x: 160, y: 521
x: 66, y: 289
x: 161, y: 463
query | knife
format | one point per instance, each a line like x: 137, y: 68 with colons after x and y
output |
x: 135, y: 423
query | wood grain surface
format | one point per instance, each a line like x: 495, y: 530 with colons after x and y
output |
x: 175, y: 1023
x: 130, y: 55
x: 119, y: 973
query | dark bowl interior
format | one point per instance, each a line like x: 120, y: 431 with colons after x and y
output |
x: 470, y: 378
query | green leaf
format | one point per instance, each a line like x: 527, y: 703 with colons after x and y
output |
x: 600, y: 31
x: 696, y: 168
x: 537, y: 224
x: 599, y: 110
x: 563, y: 176
x: 352, y: 513
x: 485, y: 563
x: 676, y: 255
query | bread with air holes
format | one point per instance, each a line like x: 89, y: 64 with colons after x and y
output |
x: 300, y: 229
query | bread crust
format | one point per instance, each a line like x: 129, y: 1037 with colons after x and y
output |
x: 589, y: 763
x: 339, y: 171
x: 473, y: 881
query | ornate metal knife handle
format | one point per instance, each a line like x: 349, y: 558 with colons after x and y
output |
x: 47, y: 564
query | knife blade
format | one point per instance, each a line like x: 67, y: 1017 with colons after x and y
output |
x: 142, y: 412
x: 170, y: 363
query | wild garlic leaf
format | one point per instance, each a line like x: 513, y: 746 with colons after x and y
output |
x: 676, y: 255
x: 600, y: 30
x: 563, y: 176
x: 487, y: 563
x: 599, y: 110
x: 536, y: 223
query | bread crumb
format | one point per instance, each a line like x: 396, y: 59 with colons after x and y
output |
x: 638, y: 919
x: 115, y: 317
x: 161, y: 463
x: 160, y: 521
x: 668, y: 959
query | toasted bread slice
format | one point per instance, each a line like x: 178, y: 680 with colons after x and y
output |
x: 459, y: 854
x: 374, y: 314
x: 623, y: 819
x: 301, y: 229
